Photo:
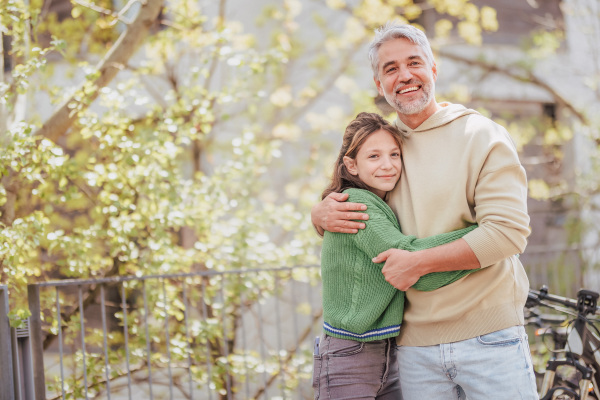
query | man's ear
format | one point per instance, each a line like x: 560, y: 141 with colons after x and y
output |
x: 434, y: 71
x: 378, y: 84
x: 350, y: 164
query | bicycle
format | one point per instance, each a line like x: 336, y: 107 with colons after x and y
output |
x: 576, y: 344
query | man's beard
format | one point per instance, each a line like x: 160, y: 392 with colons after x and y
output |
x: 414, y: 106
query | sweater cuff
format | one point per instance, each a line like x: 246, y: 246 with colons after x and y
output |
x: 484, y: 247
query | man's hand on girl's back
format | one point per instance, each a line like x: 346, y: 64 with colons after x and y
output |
x: 334, y: 214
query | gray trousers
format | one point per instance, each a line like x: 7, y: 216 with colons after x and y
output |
x: 347, y: 369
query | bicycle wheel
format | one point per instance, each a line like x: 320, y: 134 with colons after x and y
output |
x: 571, y: 381
x: 564, y: 392
x: 561, y: 393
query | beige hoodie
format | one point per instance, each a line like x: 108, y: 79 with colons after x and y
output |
x: 461, y: 168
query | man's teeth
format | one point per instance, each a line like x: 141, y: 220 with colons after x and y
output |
x: 411, y: 89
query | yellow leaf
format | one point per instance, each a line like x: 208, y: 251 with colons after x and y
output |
x: 443, y: 28
x: 76, y: 12
x: 538, y: 189
x: 489, y: 22
x: 282, y: 96
x: 471, y: 13
x: 470, y: 31
x: 336, y: 4
x: 412, y: 11
x: 287, y: 131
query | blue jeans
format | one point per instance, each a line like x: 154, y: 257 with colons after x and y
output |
x: 493, y: 366
x: 347, y: 369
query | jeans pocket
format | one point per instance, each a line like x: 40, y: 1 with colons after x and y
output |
x: 317, y: 362
x: 504, y: 337
x: 343, y: 347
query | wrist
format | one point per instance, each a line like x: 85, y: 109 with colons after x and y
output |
x: 422, y: 261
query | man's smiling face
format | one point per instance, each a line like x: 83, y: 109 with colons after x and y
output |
x: 406, y: 79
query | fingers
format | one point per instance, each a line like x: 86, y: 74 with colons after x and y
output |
x: 399, y: 281
x: 349, y: 211
x: 395, y: 281
x: 338, y: 202
x: 344, y: 230
x: 352, y: 207
x: 404, y: 286
x: 350, y: 215
x: 381, y: 257
x: 337, y: 196
x: 339, y: 224
x: 340, y: 216
x: 333, y: 214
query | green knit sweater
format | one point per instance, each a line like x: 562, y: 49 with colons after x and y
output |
x: 358, y: 303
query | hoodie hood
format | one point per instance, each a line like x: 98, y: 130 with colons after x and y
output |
x: 448, y: 113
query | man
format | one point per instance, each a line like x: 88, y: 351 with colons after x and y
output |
x: 465, y: 340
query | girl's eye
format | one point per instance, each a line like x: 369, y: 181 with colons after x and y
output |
x: 373, y: 156
x: 395, y: 154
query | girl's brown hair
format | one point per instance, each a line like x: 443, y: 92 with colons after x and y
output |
x: 356, y: 134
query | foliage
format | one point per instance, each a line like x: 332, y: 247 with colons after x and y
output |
x: 183, y: 146
x: 205, y: 154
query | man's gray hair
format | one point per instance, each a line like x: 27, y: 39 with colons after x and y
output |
x: 395, y: 30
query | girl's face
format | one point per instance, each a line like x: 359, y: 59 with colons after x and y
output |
x: 378, y: 163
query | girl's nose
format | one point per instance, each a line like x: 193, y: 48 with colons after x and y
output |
x: 386, y: 163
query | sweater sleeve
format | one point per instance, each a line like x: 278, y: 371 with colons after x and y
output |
x: 382, y: 232
x: 500, y: 204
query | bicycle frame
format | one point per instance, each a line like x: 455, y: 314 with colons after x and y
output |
x: 582, y: 351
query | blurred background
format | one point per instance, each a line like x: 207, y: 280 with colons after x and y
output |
x: 153, y: 138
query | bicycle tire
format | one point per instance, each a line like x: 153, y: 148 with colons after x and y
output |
x: 561, y: 393
x: 571, y: 382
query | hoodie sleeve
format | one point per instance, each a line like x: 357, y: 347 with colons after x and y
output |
x: 382, y: 231
x: 500, y: 202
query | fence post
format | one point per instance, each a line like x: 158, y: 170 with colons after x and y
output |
x: 6, y: 361
x: 37, y: 345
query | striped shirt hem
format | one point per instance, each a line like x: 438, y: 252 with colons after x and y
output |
x: 388, y: 330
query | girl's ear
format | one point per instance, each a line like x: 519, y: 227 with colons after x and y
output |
x: 350, y: 164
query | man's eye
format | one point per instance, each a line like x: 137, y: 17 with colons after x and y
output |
x: 390, y: 70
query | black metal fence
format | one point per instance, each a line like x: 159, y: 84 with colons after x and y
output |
x: 7, y: 387
x: 243, y: 334
x: 208, y: 335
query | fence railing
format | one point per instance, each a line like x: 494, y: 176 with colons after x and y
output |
x: 243, y: 334
x: 7, y: 386
x: 565, y: 269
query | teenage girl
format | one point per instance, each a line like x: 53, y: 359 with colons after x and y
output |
x: 356, y: 356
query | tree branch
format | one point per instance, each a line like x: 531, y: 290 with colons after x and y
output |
x: 118, y: 16
x: 522, y: 76
x: 62, y: 119
x: 127, y: 44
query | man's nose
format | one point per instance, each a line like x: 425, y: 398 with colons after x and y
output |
x: 404, y: 74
